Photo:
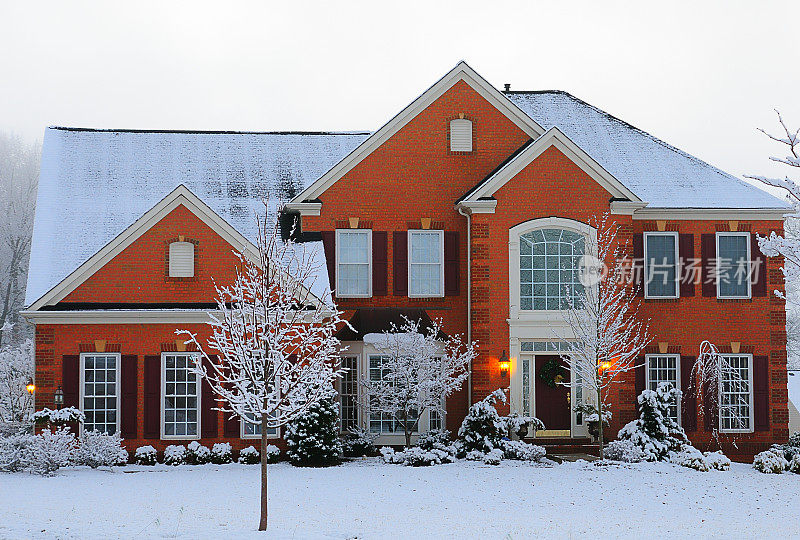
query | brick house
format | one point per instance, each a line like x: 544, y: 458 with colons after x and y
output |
x: 459, y: 208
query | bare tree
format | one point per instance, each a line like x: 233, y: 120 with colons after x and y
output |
x: 272, y: 353
x: 608, y: 334
x: 16, y: 371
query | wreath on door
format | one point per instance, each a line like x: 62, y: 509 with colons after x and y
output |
x: 552, y: 372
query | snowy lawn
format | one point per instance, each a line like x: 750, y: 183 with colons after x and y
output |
x: 368, y: 499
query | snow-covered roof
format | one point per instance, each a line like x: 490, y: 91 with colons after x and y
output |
x: 658, y: 173
x: 95, y: 183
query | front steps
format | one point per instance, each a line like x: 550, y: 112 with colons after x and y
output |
x: 565, y: 445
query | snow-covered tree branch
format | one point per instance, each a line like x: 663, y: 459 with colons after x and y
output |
x: 16, y: 370
x: 722, y: 388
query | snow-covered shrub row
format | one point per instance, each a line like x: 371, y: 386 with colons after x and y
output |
x: 655, y: 432
x: 522, y: 451
x: 58, y: 416
x: 493, y: 457
x: 14, y: 451
x: 99, y: 449
x: 145, y: 455
x: 50, y: 450
x: 197, y: 454
x: 175, y: 454
x: 359, y: 442
x: 770, y: 461
x: 251, y: 456
x: 690, y: 457
x: 417, y: 456
x: 221, y: 453
x: 312, y: 439
x: 625, y: 450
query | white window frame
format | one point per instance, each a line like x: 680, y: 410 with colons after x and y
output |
x: 677, y: 294
x: 368, y: 232
x: 751, y: 403
x: 357, y: 377
x: 411, y: 233
x: 748, y: 262
x: 82, y: 390
x: 177, y: 274
x: 648, y: 380
x: 244, y: 435
x: 164, y: 396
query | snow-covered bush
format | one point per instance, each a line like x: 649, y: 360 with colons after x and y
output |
x: 794, y: 464
x: 16, y: 403
x: 625, y: 450
x: 390, y: 456
x: 197, y: 454
x: 690, y: 457
x: 474, y: 455
x: 522, y: 451
x: 482, y: 428
x: 358, y: 442
x: 99, y: 449
x: 434, y: 438
x: 175, y: 454
x: 249, y: 456
x: 416, y: 456
x: 770, y: 462
x: 521, y: 424
x: 50, y: 450
x: 717, y: 460
x: 494, y: 457
x: 221, y: 453
x: 655, y: 432
x: 312, y: 439
x: 145, y: 455
x: 58, y: 416
x: 14, y: 450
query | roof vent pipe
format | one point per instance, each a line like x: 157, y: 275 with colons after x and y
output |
x: 508, y: 87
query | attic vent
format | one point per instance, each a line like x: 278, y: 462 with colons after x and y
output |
x: 181, y: 259
x: 460, y: 135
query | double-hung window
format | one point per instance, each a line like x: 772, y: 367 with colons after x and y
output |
x: 661, y: 264
x: 180, y: 397
x: 736, y: 394
x: 99, y: 397
x: 733, y: 265
x: 353, y: 263
x: 252, y: 430
x: 664, y: 368
x: 425, y: 263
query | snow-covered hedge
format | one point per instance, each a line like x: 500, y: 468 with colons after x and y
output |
x: 14, y: 451
x: 625, y: 450
x: 221, y: 453
x: 145, y: 455
x: 690, y: 457
x: 359, y: 442
x: 58, y: 416
x: 197, y: 454
x: 50, y: 450
x: 494, y: 457
x: 417, y: 456
x: 175, y: 454
x: 655, y: 432
x: 249, y: 456
x: 770, y: 461
x: 99, y: 449
x: 522, y: 451
x: 717, y: 460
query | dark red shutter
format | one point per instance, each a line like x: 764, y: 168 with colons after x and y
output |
x: 638, y: 264
x: 70, y: 381
x: 400, y: 262
x: 689, y: 398
x: 129, y: 387
x: 689, y: 269
x: 761, y: 392
x: 208, y: 401
x: 641, y: 365
x: 708, y: 258
x: 710, y: 407
x: 452, y: 264
x: 759, y: 268
x: 232, y: 428
x: 380, y: 263
x: 329, y: 246
x: 152, y: 397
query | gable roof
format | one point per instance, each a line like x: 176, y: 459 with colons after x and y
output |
x: 658, y: 173
x: 461, y: 72
x: 95, y: 183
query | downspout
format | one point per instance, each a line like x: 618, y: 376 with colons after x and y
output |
x: 469, y: 297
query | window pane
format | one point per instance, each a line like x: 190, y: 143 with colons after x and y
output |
x: 664, y: 369
x: 425, y: 264
x: 100, y: 400
x: 180, y: 399
x: 732, y: 265
x: 735, y: 396
x: 660, y: 270
x: 348, y: 393
x: 554, y: 276
x: 354, y: 259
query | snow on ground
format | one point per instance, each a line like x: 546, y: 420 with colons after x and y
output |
x: 367, y: 499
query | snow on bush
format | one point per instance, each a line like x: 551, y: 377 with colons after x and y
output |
x: 99, y: 449
x: 482, y: 428
x: 249, y: 456
x: 770, y: 462
x: 145, y: 455
x: 522, y: 451
x: 13, y: 451
x: 390, y: 456
x: 494, y: 457
x: 419, y: 457
x: 175, y: 454
x: 16, y: 370
x: 475, y: 455
x: 655, y: 432
x: 50, y: 450
x: 625, y: 450
x: 690, y: 457
x: 58, y: 416
x: 221, y: 453
x: 359, y: 442
x: 312, y: 439
x: 521, y: 424
x: 197, y: 454
x: 794, y: 464
x: 717, y: 460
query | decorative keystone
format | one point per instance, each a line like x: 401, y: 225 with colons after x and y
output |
x: 663, y: 347
x: 100, y: 345
x: 353, y: 222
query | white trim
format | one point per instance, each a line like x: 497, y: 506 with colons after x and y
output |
x: 627, y: 208
x: 368, y: 232
x: 181, y: 259
x: 553, y: 137
x: 483, y: 206
x: 673, y: 234
x: 461, y: 133
x: 460, y: 72
x: 82, y: 379
x: 748, y: 261
x: 647, y: 381
x: 198, y: 386
x: 305, y: 208
x: 121, y: 316
x: 751, y: 397
x: 411, y: 233
x: 720, y: 214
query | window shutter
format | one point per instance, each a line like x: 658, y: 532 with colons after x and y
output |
x: 460, y: 135
x: 638, y: 264
x: 452, y: 266
x: 208, y: 400
x: 759, y: 275
x: 152, y: 397
x: 400, y: 262
x: 232, y: 428
x: 689, y: 272
x: 761, y: 393
x: 380, y: 263
x: 689, y: 398
x: 329, y: 246
x: 708, y: 258
x: 181, y: 259
x: 70, y: 381
x: 641, y: 365
x: 710, y: 408
x: 129, y: 387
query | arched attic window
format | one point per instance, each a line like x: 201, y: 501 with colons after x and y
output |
x: 460, y: 135
x: 181, y: 259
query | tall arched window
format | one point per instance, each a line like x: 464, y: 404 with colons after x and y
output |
x: 548, y: 268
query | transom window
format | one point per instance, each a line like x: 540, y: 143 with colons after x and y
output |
x: 549, y: 265
x: 661, y: 265
x: 426, y: 263
x: 100, y: 392
x: 733, y: 265
x: 354, y: 262
x: 181, y: 397
x: 736, y: 394
x: 664, y: 369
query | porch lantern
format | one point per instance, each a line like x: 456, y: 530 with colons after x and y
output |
x: 505, y: 365
x: 58, y: 398
x: 30, y: 387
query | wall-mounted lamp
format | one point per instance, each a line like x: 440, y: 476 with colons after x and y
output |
x: 58, y: 398
x: 505, y: 365
x: 30, y: 387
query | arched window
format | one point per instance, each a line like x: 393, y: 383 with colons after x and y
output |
x: 548, y: 268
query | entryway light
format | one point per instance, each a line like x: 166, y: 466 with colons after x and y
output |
x: 505, y: 365
x: 30, y: 387
x: 58, y: 398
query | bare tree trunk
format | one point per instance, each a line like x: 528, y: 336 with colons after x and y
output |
x: 600, y: 418
x: 262, y: 524
x: 407, y: 429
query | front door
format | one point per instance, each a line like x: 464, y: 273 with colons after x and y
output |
x: 552, y: 399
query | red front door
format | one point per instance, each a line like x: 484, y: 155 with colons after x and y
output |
x: 552, y: 403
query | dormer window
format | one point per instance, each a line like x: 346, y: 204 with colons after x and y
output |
x: 181, y: 260
x: 460, y: 135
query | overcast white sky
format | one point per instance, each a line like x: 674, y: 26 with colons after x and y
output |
x: 700, y: 75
